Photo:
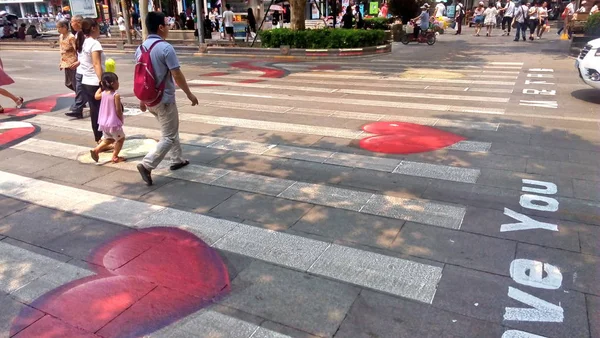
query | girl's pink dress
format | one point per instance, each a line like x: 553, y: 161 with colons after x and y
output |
x: 4, y: 78
x: 108, y: 121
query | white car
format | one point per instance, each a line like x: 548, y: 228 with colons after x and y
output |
x: 588, y: 63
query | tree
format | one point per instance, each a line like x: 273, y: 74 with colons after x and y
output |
x: 405, y: 9
x: 298, y: 17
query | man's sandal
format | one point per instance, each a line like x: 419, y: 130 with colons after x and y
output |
x: 118, y: 159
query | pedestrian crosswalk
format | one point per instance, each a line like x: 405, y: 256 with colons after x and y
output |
x: 301, y: 101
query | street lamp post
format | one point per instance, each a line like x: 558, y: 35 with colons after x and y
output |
x: 200, y: 23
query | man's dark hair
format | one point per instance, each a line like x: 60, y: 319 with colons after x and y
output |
x: 154, y: 20
x: 228, y: 6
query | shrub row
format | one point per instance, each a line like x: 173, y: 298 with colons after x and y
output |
x: 321, y: 38
x: 592, y: 26
x: 378, y: 23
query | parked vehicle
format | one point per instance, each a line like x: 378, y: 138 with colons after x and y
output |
x: 588, y: 64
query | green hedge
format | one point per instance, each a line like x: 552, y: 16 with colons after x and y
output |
x: 321, y: 38
x: 378, y: 23
x: 592, y: 26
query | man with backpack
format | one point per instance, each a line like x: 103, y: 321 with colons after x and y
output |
x: 157, y: 66
x: 459, y: 16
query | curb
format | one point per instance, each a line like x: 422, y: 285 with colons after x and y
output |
x: 282, y: 53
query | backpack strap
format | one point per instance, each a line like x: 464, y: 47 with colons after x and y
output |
x: 152, y: 45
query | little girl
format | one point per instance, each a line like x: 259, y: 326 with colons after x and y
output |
x: 6, y: 80
x: 68, y: 53
x: 110, y: 118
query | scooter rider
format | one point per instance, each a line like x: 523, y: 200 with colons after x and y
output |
x: 421, y: 22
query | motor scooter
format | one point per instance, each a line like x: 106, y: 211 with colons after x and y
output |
x: 427, y: 36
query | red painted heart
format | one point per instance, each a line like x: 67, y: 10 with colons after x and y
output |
x: 144, y: 281
x: 406, y: 138
x: 14, y: 131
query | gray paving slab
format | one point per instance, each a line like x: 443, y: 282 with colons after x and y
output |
x: 593, y: 309
x: 589, y: 237
x: 58, y: 276
x: 391, y: 184
x: 489, y: 222
x: 255, y: 183
x: 38, y: 225
x: 327, y: 195
x: 125, y: 183
x: 193, y: 196
x: 272, y: 246
x: 571, y: 209
x: 456, y: 247
x: 30, y: 163
x: 378, y: 315
x: 311, y: 171
x: 311, y: 304
x: 365, y: 162
x: 422, y: 211
x: 275, y: 330
x: 243, y: 146
x: 514, y: 180
x: 208, y: 323
x: 267, y: 210
x: 522, y: 150
x: 305, y: 154
x: 111, y: 209
x: 200, y: 154
x: 484, y: 296
x: 589, y: 190
x: 467, y: 175
x: 384, y: 273
x: 580, y: 272
x: 249, y: 163
x: 572, y: 170
x: 473, y: 195
x: 338, y: 224
x: 10, y: 205
x: 82, y: 242
x: 75, y: 172
x: 22, y: 266
x: 209, y: 229
x: 10, y: 310
x: 8, y: 153
x: 193, y: 173
x: 584, y: 157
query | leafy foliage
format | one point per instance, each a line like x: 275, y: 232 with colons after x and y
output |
x: 592, y: 25
x: 321, y: 38
x: 378, y: 23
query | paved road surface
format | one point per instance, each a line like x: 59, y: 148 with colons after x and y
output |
x: 486, y: 224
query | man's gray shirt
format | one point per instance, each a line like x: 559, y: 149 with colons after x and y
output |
x: 164, y: 60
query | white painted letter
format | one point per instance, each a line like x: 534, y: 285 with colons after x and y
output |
x: 542, y: 311
x: 525, y: 223
x: 519, y: 334
x: 542, y: 104
x: 529, y: 272
x: 538, y: 82
x: 541, y: 70
x: 527, y: 200
x: 539, y: 92
x: 541, y: 75
x: 550, y: 187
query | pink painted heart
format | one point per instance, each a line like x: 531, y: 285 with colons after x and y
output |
x: 12, y: 132
x: 406, y: 138
x: 144, y: 281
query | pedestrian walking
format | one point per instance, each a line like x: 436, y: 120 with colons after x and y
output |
x: 250, y: 25
x: 110, y: 118
x: 121, y: 24
x: 543, y: 18
x: 509, y: 11
x: 68, y: 54
x: 520, y: 22
x: 459, y: 16
x: 534, y: 19
x: 80, y: 101
x: 6, y: 80
x: 91, y: 66
x: 490, y: 14
x: 479, y: 17
x: 166, y: 72
x: 228, y: 18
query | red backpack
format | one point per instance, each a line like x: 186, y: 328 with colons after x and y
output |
x: 144, y: 82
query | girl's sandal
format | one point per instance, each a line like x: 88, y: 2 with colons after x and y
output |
x: 94, y: 155
x: 118, y: 159
x: 1, y: 110
x: 19, y: 102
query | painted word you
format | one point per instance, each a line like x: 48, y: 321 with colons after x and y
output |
x: 530, y: 272
x: 539, y: 77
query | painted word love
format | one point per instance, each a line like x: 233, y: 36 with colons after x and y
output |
x: 530, y: 272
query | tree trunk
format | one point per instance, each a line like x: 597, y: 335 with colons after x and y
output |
x: 143, y: 14
x: 298, y: 10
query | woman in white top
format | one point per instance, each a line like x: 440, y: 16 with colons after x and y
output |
x: 121, y: 23
x: 91, y: 66
x: 595, y: 9
x: 534, y: 19
x: 490, y: 18
x: 543, y: 17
